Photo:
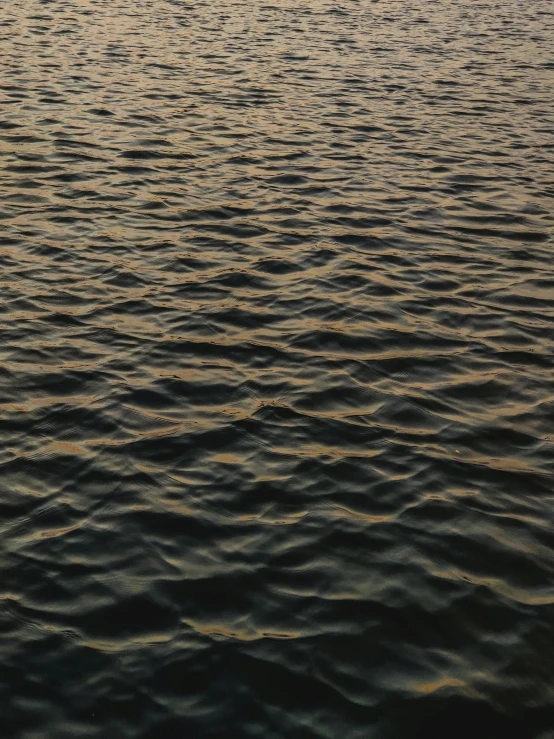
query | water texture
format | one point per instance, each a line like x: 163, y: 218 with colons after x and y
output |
x: 277, y: 369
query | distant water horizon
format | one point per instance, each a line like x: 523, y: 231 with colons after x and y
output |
x: 277, y: 369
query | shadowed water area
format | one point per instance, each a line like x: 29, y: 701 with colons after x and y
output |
x: 277, y: 369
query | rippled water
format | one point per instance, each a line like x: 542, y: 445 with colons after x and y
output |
x: 277, y: 369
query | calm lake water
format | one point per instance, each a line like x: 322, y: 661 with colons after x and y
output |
x: 277, y: 369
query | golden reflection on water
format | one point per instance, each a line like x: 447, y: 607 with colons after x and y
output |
x: 276, y: 369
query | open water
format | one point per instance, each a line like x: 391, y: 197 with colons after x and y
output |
x: 277, y: 369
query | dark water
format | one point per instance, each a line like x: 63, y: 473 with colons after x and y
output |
x: 277, y: 369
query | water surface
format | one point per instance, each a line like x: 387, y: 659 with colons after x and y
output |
x: 277, y: 369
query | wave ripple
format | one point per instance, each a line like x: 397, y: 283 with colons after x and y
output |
x: 277, y: 369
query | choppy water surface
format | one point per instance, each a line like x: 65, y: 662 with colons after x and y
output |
x: 277, y: 369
